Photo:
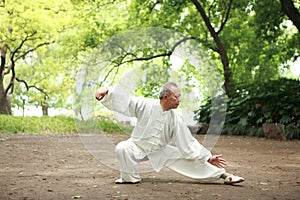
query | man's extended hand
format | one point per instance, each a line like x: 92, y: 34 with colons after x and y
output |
x: 217, y: 161
x: 100, y: 93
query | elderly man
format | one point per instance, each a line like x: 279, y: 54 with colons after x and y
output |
x: 158, y: 125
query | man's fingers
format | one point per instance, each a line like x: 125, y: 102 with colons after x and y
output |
x: 222, y: 160
x: 99, y: 97
x: 217, y: 161
x: 221, y: 165
x: 99, y: 94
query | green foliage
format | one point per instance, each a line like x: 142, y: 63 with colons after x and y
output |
x: 11, y: 124
x: 258, y: 41
x: 155, y: 76
x: 274, y: 101
x: 257, y: 37
x: 72, y: 28
x: 28, y: 28
x: 58, y: 124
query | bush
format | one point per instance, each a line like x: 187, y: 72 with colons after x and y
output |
x: 274, y: 101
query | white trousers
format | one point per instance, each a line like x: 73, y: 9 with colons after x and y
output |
x: 127, y: 154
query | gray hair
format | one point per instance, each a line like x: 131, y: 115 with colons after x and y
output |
x: 166, y: 89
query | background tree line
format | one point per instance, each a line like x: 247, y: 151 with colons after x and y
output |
x: 43, y: 44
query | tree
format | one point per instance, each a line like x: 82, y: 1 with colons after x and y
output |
x: 261, y: 43
x: 245, y: 38
x: 180, y: 15
x: 249, y: 38
x: 26, y: 28
x: 54, y: 81
x: 215, y: 34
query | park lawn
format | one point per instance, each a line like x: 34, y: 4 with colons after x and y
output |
x: 57, y: 125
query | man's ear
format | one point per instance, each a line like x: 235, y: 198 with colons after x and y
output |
x: 165, y: 97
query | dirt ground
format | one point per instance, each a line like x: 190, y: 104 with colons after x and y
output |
x: 60, y: 167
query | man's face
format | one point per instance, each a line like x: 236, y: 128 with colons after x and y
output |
x: 173, y: 100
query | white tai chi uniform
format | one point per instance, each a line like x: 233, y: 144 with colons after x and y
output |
x: 151, y: 137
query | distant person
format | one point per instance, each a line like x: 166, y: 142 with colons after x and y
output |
x: 158, y: 125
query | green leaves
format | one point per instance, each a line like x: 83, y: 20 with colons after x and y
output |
x: 256, y: 37
x: 274, y: 101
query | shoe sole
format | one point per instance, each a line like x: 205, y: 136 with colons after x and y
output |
x: 124, y: 182
x: 232, y: 183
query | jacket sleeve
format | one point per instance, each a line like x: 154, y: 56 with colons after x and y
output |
x: 122, y: 102
x: 188, y: 146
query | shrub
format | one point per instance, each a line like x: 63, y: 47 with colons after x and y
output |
x: 273, y: 101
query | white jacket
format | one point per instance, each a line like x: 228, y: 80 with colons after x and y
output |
x: 156, y: 129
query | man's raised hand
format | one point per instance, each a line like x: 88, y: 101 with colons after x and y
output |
x: 100, y: 93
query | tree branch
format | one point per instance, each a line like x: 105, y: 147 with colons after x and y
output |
x: 22, y: 43
x: 167, y: 53
x: 210, y: 7
x: 155, y: 3
x: 14, y: 52
x: 31, y: 50
x: 106, y: 3
x: 56, y: 11
x: 224, y: 20
x: 32, y: 86
x: 291, y: 11
x: 13, y: 59
x: 122, y: 61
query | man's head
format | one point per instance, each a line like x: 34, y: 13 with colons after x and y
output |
x: 169, y: 96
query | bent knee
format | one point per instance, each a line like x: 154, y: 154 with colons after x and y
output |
x: 121, y: 147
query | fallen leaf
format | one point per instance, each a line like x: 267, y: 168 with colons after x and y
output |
x: 262, y: 183
x: 76, y: 197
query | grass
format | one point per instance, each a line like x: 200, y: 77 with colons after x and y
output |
x: 57, y: 125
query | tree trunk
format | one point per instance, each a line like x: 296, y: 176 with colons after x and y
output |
x: 220, y: 46
x: 291, y: 11
x: 5, y: 106
x: 45, y: 109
